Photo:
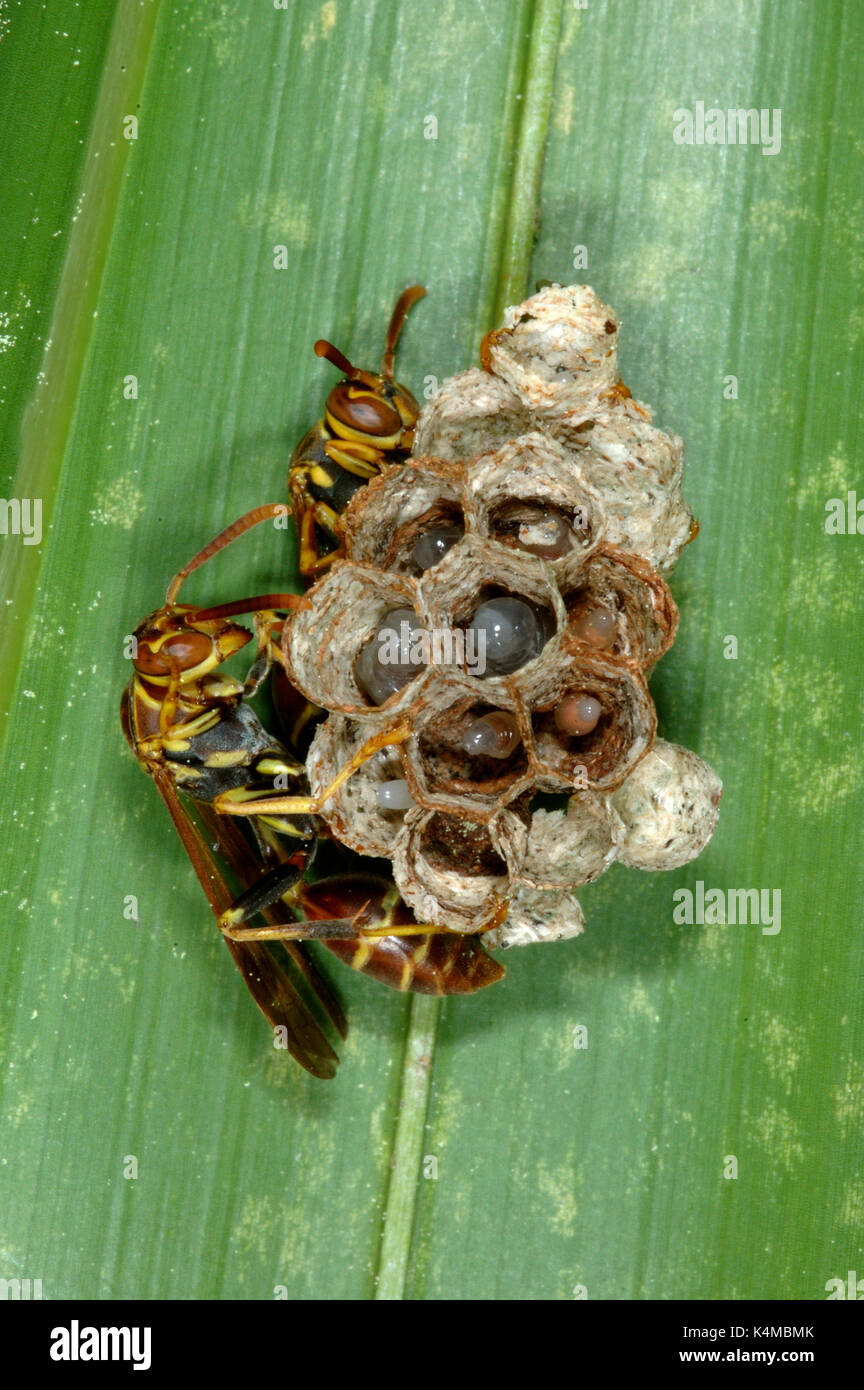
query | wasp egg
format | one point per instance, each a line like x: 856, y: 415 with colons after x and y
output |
x: 432, y: 546
x: 578, y: 714
x: 547, y: 536
x: 384, y: 664
x: 394, y: 796
x: 507, y: 633
x: 493, y: 735
x: 598, y: 626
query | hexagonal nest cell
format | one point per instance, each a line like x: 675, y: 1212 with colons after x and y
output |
x: 533, y: 521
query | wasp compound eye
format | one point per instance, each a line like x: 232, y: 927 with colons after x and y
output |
x: 183, y: 650
x: 363, y: 412
x: 188, y: 649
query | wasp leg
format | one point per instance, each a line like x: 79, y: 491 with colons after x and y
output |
x: 311, y: 562
x: 266, y: 626
x: 360, y: 459
x: 234, y: 802
x: 169, y: 731
x: 304, y: 506
x: 282, y: 882
x: 235, y: 848
x: 170, y: 702
x: 263, y: 894
x: 285, y: 882
x: 371, y: 938
x: 330, y: 474
x: 231, y: 924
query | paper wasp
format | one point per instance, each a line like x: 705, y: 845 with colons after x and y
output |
x: 368, y: 423
x: 191, y: 729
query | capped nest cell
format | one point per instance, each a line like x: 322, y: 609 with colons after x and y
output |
x: 500, y: 604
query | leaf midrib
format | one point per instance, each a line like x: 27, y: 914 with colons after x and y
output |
x: 50, y: 412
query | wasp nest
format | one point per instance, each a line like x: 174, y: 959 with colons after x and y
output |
x: 502, y: 601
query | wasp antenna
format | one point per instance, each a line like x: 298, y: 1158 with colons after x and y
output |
x: 352, y: 374
x: 404, y: 303
x: 258, y: 603
x: 269, y: 512
x: 325, y: 349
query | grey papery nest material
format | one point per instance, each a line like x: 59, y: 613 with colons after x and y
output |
x: 541, y: 480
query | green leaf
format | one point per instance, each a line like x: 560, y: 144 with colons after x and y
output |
x: 557, y: 1167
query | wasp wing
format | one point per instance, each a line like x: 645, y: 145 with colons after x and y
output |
x: 270, y: 986
x: 247, y: 864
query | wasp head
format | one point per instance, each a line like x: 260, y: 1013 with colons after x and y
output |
x: 368, y: 407
x: 170, y: 643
